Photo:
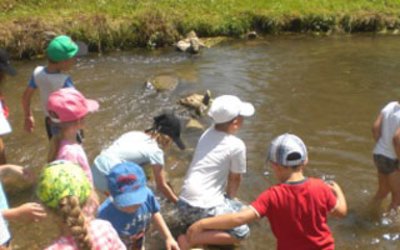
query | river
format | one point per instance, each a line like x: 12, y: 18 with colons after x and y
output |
x: 327, y: 90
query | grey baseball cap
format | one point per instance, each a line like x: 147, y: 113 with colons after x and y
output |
x: 287, y: 150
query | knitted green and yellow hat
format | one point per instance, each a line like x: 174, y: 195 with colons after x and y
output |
x: 59, y: 179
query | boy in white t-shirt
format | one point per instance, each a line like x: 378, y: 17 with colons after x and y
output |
x: 386, y: 133
x: 61, y: 54
x: 214, y: 175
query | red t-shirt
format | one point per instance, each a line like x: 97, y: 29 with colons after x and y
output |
x: 297, y: 213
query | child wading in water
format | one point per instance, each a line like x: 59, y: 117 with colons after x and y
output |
x: 68, y: 108
x: 386, y: 133
x: 63, y: 188
x: 297, y: 208
x: 61, y: 54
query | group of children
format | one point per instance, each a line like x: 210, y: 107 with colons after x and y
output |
x: 297, y: 208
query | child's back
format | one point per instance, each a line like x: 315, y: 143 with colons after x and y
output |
x: 297, y: 212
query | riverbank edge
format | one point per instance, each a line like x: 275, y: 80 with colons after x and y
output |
x: 25, y: 38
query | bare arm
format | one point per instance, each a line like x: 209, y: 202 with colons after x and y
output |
x: 234, y: 180
x: 26, y: 105
x: 10, y: 167
x: 376, y: 128
x: 396, y: 143
x: 162, y: 227
x: 341, y: 206
x: 162, y: 184
x: 30, y: 210
x: 25, y: 173
x: 222, y: 222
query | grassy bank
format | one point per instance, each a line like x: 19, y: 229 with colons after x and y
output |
x: 124, y: 24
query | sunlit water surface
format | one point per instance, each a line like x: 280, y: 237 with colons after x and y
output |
x: 326, y: 90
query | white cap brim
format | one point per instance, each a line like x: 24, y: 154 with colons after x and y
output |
x: 92, y: 105
x: 246, y: 109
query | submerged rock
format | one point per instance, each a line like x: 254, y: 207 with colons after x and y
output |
x: 162, y: 83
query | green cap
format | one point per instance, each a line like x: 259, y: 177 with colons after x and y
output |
x: 60, y: 179
x: 61, y: 48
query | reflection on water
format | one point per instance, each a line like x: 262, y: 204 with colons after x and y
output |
x: 326, y: 90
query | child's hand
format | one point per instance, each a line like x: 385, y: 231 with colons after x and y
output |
x: 31, y: 210
x: 334, y: 186
x: 171, y: 244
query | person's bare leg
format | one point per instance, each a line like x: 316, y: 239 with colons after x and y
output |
x: 183, y: 242
x: 394, y: 184
x: 383, y: 188
x: 212, y: 237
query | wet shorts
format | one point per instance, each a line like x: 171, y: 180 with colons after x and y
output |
x: 385, y: 165
x: 189, y: 214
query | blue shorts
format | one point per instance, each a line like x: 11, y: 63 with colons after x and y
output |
x: 189, y: 214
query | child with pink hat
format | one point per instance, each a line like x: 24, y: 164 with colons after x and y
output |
x: 68, y: 108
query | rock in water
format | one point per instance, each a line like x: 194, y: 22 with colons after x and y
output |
x: 162, y: 83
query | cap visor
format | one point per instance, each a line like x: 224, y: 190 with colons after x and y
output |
x: 92, y: 105
x: 8, y: 70
x: 246, y: 109
x: 83, y: 49
x: 132, y: 198
x: 179, y: 143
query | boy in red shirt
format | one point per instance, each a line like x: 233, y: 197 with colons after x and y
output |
x: 297, y: 207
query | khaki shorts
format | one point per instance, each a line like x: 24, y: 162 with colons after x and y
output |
x: 385, y: 164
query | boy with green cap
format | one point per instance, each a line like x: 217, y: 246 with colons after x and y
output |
x: 61, y: 53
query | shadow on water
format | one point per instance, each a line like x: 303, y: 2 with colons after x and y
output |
x: 327, y: 90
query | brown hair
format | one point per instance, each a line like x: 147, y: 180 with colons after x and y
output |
x: 72, y: 215
x: 55, y: 140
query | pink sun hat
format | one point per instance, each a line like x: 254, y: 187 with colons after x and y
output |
x: 68, y: 104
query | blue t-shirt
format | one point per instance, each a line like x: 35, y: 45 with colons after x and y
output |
x: 129, y: 224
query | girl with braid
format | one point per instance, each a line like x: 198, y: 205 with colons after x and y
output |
x: 64, y: 188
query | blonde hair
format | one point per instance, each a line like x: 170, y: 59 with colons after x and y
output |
x: 72, y: 215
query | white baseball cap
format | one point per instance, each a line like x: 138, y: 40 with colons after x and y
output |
x: 226, y: 107
x: 287, y: 150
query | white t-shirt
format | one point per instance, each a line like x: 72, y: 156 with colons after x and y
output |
x: 5, y: 127
x: 217, y: 153
x: 390, y: 123
x: 48, y: 83
x: 135, y: 146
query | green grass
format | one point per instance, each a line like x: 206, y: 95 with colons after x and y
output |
x: 107, y: 24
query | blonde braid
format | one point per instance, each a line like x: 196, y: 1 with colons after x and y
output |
x: 73, y: 217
